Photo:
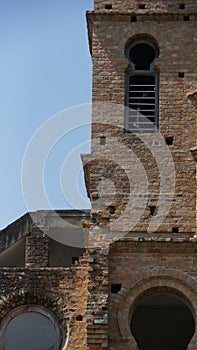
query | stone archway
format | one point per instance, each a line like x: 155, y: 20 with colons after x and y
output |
x: 25, y: 314
x: 162, y: 320
x: 32, y: 327
x: 171, y: 284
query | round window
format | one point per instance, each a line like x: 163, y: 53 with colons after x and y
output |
x: 31, y: 328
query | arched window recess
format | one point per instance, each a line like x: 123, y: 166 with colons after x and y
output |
x: 30, y: 327
x: 142, y: 87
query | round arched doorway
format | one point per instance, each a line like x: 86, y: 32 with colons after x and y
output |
x: 30, y: 327
x: 162, y: 321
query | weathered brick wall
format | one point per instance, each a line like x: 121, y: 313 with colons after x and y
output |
x: 37, y: 250
x: 177, y: 118
x: 141, y: 266
x: 97, y: 306
x: 80, y: 295
x: 135, y: 264
x: 63, y: 291
x: 151, y: 6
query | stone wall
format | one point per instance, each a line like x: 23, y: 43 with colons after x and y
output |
x: 94, y: 299
x: 124, y: 153
x: 97, y: 305
x: 139, y: 267
x: 63, y: 291
x: 150, y: 6
x: 123, y: 176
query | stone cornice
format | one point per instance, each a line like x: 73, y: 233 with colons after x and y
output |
x: 93, y: 16
x: 149, y: 16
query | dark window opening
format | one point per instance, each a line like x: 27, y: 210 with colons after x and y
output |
x: 133, y: 18
x: 142, y: 6
x: 186, y: 18
x: 108, y: 6
x: 102, y: 140
x: 112, y: 209
x: 175, y: 230
x: 79, y: 318
x: 115, y: 288
x: 142, y: 55
x: 141, y: 239
x: 142, y: 88
x: 153, y: 210
x: 94, y: 217
x: 181, y: 74
x: 182, y: 6
x: 169, y: 140
x: 142, y: 103
x: 162, y: 321
x: 75, y: 259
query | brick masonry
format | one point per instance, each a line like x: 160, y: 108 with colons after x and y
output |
x: 140, y: 267
x: 120, y: 166
x: 177, y: 116
x: 141, y: 261
x: 59, y: 290
x: 150, y: 6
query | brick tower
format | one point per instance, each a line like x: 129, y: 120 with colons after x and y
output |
x: 130, y: 282
x: 141, y: 176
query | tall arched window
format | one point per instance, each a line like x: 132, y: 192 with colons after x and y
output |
x: 142, y: 92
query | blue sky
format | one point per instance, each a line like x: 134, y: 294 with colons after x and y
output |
x: 45, y: 67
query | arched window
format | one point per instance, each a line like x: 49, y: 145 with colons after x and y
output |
x: 162, y: 321
x: 142, y: 93
x: 30, y: 327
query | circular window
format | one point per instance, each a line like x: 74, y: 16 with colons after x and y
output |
x: 32, y: 328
